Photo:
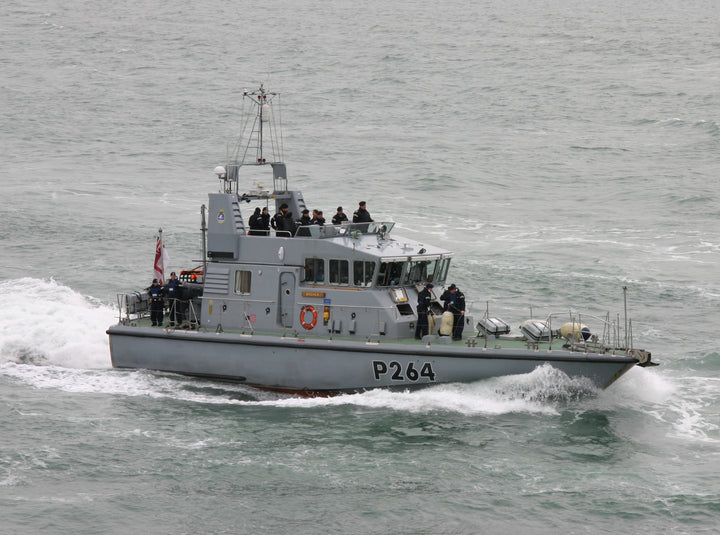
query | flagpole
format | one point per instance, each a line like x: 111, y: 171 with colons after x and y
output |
x: 158, y: 267
x: 162, y: 263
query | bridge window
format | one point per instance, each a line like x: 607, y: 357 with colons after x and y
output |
x: 363, y: 273
x: 314, y: 270
x: 442, y: 271
x: 390, y: 273
x: 424, y: 271
x: 417, y: 272
x: 339, y: 272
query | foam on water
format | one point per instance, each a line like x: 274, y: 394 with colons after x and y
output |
x: 680, y: 402
x: 535, y: 392
x: 45, y: 322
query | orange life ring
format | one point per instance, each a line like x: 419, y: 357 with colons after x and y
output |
x: 312, y: 324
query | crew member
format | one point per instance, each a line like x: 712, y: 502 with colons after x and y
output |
x: 156, y: 303
x: 455, y: 303
x: 276, y: 222
x: 339, y: 218
x: 173, y: 290
x: 256, y: 223
x: 303, y: 223
x: 319, y: 219
x: 361, y: 215
x: 423, y: 308
x: 265, y: 222
x: 283, y: 223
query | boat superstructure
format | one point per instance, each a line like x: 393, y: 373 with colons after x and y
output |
x: 330, y: 308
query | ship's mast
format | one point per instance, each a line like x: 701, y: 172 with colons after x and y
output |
x: 260, y: 139
x: 259, y: 143
x: 262, y: 99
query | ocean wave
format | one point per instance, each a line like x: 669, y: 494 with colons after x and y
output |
x: 46, y: 323
x: 538, y: 392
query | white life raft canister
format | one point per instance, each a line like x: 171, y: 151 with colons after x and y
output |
x: 431, y: 323
x: 578, y: 331
x: 536, y: 330
x: 446, y: 323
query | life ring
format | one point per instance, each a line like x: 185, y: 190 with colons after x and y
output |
x: 312, y: 324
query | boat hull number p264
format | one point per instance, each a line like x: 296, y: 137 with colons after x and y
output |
x: 410, y: 372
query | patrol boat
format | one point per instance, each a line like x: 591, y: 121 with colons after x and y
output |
x: 327, y: 309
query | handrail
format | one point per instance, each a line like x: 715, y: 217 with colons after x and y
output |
x: 611, y: 334
x: 233, y: 298
x: 352, y: 230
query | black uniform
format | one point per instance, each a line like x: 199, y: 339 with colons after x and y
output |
x: 423, y: 308
x: 455, y: 303
x: 288, y: 223
x: 265, y: 223
x: 303, y: 222
x: 275, y: 220
x: 361, y: 215
x: 156, y: 303
x: 339, y: 218
x: 173, y: 289
x: 255, y: 221
x: 283, y: 223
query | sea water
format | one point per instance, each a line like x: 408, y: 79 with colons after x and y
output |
x: 563, y: 150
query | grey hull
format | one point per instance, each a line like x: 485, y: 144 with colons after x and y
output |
x: 312, y: 365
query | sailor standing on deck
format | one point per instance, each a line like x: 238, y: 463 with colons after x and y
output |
x: 361, y: 215
x: 455, y: 303
x: 339, y: 218
x: 283, y: 222
x: 303, y: 223
x: 156, y: 303
x: 277, y: 220
x: 319, y: 219
x: 423, y: 308
x: 173, y: 290
x: 265, y: 222
x: 256, y: 223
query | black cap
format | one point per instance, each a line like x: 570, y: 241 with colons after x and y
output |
x: 306, y: 211
x: 283, y: 205
x: 429, y: 285
x: 452, y: 287
x: 154, y: 281
x: 339, y: 209
x: 362, y: 203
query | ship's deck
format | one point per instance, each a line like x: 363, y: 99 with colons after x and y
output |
x: 470, y: 339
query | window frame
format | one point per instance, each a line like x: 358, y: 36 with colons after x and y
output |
x: 386, y: 276
x: 339, y: 262
x: 316, y: 263
x: 243, y: 282
x: 366, y: 279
